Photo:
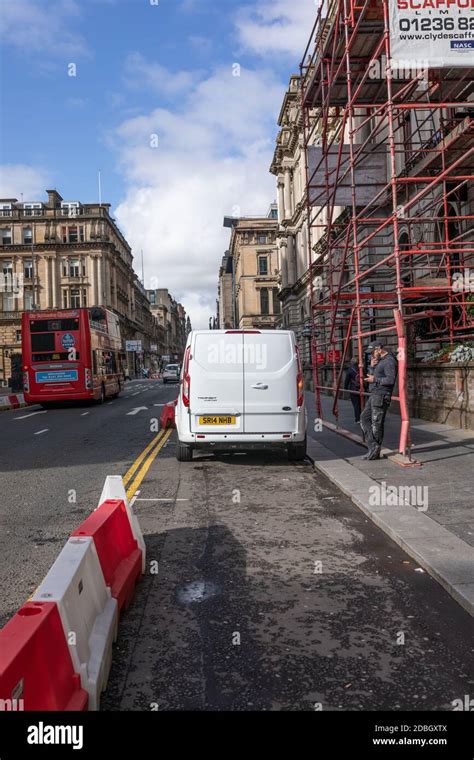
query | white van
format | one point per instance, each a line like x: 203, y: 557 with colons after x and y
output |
x: 241, y: 389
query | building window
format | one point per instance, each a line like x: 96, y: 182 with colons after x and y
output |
x: 261, y: 239
x: 18, y: 336
x: 264, y: 301
x: 7, y: 267
x: 6, y: 236
x: 407, y: 136
x: 5, y: 209
x: 8, y: 302
x: 27, y: 269
x: 73, y: 234
x: 75, y: 298
x: 71, y: 208
x: 65, y: 299
x: 276, y: 301
x: 32, y: 209
x: 263, y: 265
x: 84, y: 297
x: 74, y: 267
x: 27, y: 236
x: 28, y: 299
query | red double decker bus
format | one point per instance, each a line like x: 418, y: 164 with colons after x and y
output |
x: 71, y: 355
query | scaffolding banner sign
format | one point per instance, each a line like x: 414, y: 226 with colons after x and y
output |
x: 435, y: 33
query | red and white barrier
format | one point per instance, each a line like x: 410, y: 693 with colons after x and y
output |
x: 115, y: 489
x: 119, y: 555
x: 36, y: 671
x: 88, y: 612
x: 13, y: 401
x: 56, y: 652
x: 167, y: 419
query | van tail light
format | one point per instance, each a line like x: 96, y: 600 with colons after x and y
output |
x: 299, y: 380
x: 186, y: 378
x: 88, y: 379
x: 26, y: 382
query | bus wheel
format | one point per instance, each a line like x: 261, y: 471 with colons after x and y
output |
x: 116, y: 395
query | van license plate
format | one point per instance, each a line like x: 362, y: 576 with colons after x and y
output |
x: 220, y: 419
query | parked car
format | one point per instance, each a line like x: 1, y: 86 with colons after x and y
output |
x: 241, y: 389
x: 171, y: 373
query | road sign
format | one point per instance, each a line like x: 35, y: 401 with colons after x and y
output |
x: 133, y: 345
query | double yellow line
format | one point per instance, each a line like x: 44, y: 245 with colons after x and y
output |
x: 134, y: 476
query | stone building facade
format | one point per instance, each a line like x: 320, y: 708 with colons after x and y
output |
x: 172, y: 322
x: 255, y: 255
x: 296, y: 240
x: 66, y: 254
x: 225, y: 299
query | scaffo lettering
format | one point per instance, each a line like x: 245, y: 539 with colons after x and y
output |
x: 435, y: 4
x: 443, y: 30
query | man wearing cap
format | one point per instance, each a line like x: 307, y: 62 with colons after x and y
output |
x: 381, y: 378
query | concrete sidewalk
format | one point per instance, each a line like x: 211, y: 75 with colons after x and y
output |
x: 433, y: 520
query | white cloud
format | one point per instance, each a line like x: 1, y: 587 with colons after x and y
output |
x: 276, y: 26
x: 140, y: 74
x: 39, y: 26
x: 213, y: 156
x: 16, y: 179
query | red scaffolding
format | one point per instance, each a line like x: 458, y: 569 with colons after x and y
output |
x: 389, y: 170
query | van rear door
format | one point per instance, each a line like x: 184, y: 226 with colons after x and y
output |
x: 216, y: 383
x: 270, y: 383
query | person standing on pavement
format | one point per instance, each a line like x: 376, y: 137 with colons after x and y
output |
x: 352, y: 383
x: 381, y: 379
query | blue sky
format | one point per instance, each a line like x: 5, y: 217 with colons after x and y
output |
x: 156, y: 106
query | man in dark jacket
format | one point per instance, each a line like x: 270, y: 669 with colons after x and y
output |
x: 352, y: 383
x: 381, y: 380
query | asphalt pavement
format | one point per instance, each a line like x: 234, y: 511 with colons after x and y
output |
x: 273, y: 592
x: 52, y: 468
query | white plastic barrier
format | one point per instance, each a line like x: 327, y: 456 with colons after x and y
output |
x: 88, y: 612
x: 115, y: 489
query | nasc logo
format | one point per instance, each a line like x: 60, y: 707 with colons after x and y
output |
x: 462, y: 45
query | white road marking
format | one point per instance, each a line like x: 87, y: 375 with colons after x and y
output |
x: 135, y: 411
x: 46, y: 430
x: 134, y: 498
x: 161, y: 499
x: 32, y: 414
x: 136, y: 394
x: 84, y: 414
x: 159, y: 404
